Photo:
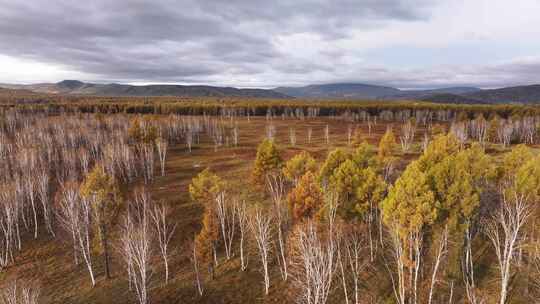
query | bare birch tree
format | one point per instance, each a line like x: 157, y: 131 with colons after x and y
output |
x: 406, y: 137
x: 235, y: 135
x: 43, y: 192
x: 20, y: 292
x: 349, y: 134
x: 74, y: 216
x: 327, y: 134
x: 441, y: 253
x: 195, y: 262
x: 467, y: 266
x: 459, y: 129
x: 189, y: 139
x: 480, y: 129
x: 353, y: 246
x: 276, y: 187
x: 227, y: 221
x: 164, y: 232
x: 425, y: 141
x: 136, y: 251
x: 9, y: 222
x: 68, y: 215
x: 30, y: 185
x: 314, y: 265
x: 292, y: 137
x: 84, y: 237
x: 162, y: 145
x: 398, y: 254
x: 270, y: 131
x: 243, y: 225
x: 261, y: 228
x: 505, y: 132
x: 148, y: 162
x: 505, y: 232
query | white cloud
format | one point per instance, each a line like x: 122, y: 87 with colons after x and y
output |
x: 420, y: 43
x: 25, y: 71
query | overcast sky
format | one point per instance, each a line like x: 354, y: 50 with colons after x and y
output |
x: 251, y: 43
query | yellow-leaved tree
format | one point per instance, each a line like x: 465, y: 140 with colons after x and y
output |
x: 364, y: 156
x: 103, y: 193
x: 204, y: 189
x: 332, y: 162
x: 266, y: 161
x: 410, y: 205
x: 141, y: 131
x: 387, y: 145
x: 299, y: 165
x: 306, y: 198
x: 408, y: 210
x: 344, y: 182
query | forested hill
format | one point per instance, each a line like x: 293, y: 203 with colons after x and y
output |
x: 75, y: 87
x: 363, y: 91
x: 339, y: 90
x: 460, y: 95
x: 352, y: 91
x: 521, y: 94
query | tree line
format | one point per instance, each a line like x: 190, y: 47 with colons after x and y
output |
x: 388, y: 110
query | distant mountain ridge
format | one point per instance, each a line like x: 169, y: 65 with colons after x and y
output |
x: 339, y: 90
x: 419, y: 94
x: 451, y: 98
x: 461, y: 95
x: 529, y: 94
x: 360, y: 91
x: 520, y: 94
x: 76, y: 87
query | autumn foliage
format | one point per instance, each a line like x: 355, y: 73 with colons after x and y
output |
x: 267, y: 160
x: 306, y: 198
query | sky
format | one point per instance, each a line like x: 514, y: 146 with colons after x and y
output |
x: 253, y: 43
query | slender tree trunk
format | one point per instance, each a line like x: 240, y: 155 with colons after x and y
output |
x: 105, y: 245
x: 197, y: 274
x: 343, y: 279
x: 451, y: 297
x: 166, y: 262
x: 75, y: 249
x: 32, y: 202
x: 284, y: 272
x: 440, y: 253
x: 88, y: 260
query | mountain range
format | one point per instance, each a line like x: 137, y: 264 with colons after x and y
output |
x: 75, y: 87
x: 339, y: 90
x: 469, y: 95
x: 463, y: 95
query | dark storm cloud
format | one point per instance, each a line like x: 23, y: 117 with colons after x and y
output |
x: 199, y: 40
x: 332, y: 19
